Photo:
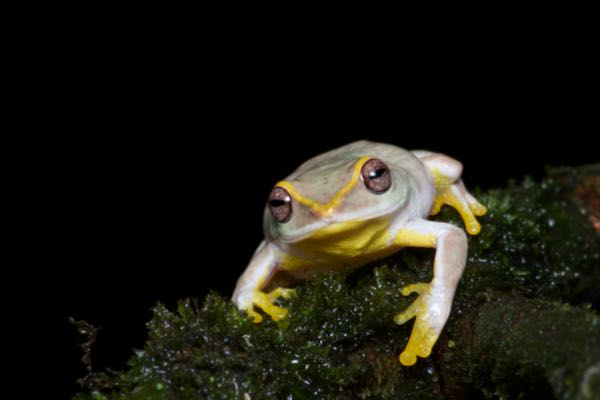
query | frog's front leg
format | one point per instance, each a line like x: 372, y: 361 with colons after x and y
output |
x: 432, y: 307
x: 248, y: 293
x: 450, y: 189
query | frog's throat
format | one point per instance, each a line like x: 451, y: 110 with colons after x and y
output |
x: 329, y: 207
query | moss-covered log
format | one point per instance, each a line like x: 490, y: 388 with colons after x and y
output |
x: 524, y: 324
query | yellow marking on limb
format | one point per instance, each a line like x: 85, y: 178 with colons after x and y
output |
x: 409, y: 237
x: 329, y: 207
x: 440, y: 180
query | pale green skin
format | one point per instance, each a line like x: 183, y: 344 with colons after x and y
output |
x: 419, y: 180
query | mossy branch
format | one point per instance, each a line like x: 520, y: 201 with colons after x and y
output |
x: 524, y: 323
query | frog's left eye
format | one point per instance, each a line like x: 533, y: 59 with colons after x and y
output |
x: 376, y: 176
x: 280, y: 204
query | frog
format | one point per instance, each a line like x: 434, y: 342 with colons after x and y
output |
x: 357, y: 204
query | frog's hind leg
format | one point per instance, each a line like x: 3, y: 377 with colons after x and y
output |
x: 432, y: 307
x: 248, y: 293
x: 450, y: 189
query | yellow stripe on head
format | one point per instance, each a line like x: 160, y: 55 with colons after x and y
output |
x: 329, y: 207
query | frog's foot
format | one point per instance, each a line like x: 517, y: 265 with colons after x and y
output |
x: 425, y: 330
x: 456, y: 195
x: 446, y: 172
x: 265, y: 302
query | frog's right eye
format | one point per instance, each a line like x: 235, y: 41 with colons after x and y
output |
x: 376, y: 176
x: 280, y: 204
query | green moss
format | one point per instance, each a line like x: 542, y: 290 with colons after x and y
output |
x: 522, y: 348
x: 510, y: 334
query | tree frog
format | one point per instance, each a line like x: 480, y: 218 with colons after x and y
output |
x: 353, y: 205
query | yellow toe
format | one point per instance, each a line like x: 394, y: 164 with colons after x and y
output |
x: 478, y: 209
x: 281, y: 292
x: 437, y: 206
x: 407, y: 359
x: 468, y: 208
x: 421, y: 342
x: 473, y: 227
x: 256, y: 317
x: 414, y: 288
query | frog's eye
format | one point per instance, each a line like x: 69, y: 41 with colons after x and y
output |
x: 376, y: 176
x: 280, y: 204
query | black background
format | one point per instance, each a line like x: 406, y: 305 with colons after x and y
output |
x: 151, y: 181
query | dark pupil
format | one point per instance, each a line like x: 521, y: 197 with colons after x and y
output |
x: 376, y: 173
x: 277, y: 203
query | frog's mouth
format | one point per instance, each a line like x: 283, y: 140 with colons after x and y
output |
x: 340, y: 230
x: 348, y: 238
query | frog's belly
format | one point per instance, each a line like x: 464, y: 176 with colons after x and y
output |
x: 342, y: 246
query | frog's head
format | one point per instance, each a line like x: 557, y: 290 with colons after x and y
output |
x: 329, y: 194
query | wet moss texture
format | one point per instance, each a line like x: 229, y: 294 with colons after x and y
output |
x: 525, y: 321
